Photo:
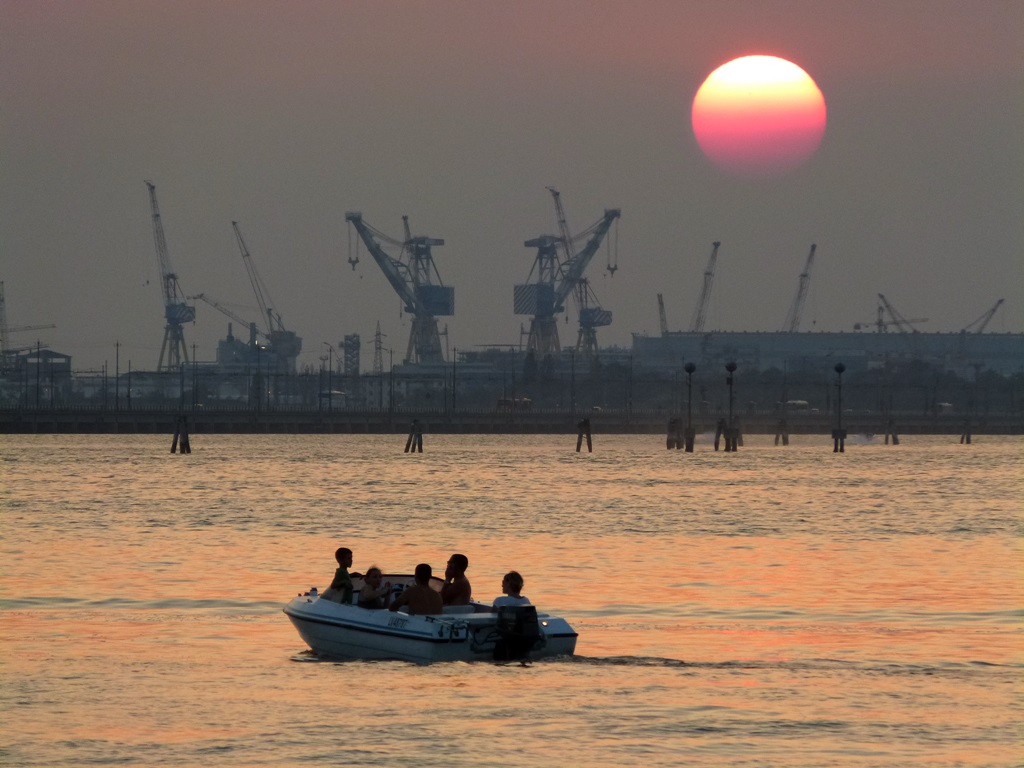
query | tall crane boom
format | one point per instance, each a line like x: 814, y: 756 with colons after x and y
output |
x: 285, y: 344
x: 572, y: 269
x: 258, y: 288
x: 981, y: 323
x: 173, y: 351
x: 414, y: 277
x: 700, y: 314
x: 792, y: 323
x: 662, y: 319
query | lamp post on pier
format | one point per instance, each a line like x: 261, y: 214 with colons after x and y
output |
x: 330, y: 372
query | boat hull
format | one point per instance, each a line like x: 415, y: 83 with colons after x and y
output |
x: 349, y: 632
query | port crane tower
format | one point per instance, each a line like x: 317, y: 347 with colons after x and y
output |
x: 700, y: 314
x: 414, y: 277
x: 556, y: 273
x: 285, y: 344
x: 173, y: 351
x: 792, y: 322
x: 6, y: 330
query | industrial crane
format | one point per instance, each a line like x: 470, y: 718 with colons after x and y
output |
x: 792, y: 323
x: 662, y: 319
x: 414, y: 277
x: 555, y: 277
x: 981, y: 322
x: 254, y: 330
x: 700, y: 314
x: 881, y: 325
x: 903, y: 325
x: 173, y: 351
x: 5, y: 330
x: 285, y: 345
x: 972, y: 329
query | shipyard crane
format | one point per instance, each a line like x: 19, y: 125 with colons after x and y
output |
x: 285, y: 344
x: 173, y: 351
x: 903, y: 325
x: 972, y: 329
x: 792, y: 323
x: 881, y: 325
x: 700, y: 314
x: 554, y: 276
x: 254, y: 330
x: 6, y: 330
x: 591, y: 317
x: 414, y: 277
x: 976, y: 326
x: 662, y: 319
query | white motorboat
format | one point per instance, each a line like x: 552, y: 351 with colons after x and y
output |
x: 461, y: 633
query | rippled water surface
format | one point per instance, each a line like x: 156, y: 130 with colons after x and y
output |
x: 782, y: 606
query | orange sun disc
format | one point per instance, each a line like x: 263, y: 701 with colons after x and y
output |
x: 758, y: 116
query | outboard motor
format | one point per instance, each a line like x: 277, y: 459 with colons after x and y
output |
x: 518, y: 632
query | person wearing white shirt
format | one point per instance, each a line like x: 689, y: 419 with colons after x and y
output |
x: 511, y: 586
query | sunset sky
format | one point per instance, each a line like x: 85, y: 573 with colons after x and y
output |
x: 283, y: 116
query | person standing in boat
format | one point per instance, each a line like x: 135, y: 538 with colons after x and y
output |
x: 511, y: 586
x: 456, y: 589
x: 374, y: 594
x: 340, y: 590
x: 421, y: 598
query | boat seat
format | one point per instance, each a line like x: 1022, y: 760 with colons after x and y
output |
x: 459, y: 609
x: 519, y: 631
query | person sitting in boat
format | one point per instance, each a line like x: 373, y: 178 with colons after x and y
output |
x: 511, y: 586
x: 340, y: 590
x: 374, y: 594
x: 420, y: 597
x: 456, y: 589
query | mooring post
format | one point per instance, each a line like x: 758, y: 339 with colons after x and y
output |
x: 890, y: 432
x: 180, y: 441
x: 782, y: 432
x: 689, y: 368
x: 584, y: 431
x: 674, y: 437
x: 731, y: 432
x: 414, y: 444
x: 184, y: 446
x: 839, y: 434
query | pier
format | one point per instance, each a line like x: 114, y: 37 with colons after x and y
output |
x: 152, y: 420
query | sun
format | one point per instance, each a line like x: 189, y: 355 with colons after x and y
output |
x: 758, y: 116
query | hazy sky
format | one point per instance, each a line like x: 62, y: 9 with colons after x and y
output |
x: 284, y: 115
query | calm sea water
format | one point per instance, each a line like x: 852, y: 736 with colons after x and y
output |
x: 780, y: 606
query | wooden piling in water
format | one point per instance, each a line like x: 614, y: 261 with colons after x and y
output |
x: 584, y: 431
x: 414, y: 444
x: 838, y: 440
x: 674, y: 437
x: 782, y: 432
x: 181, y: 441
